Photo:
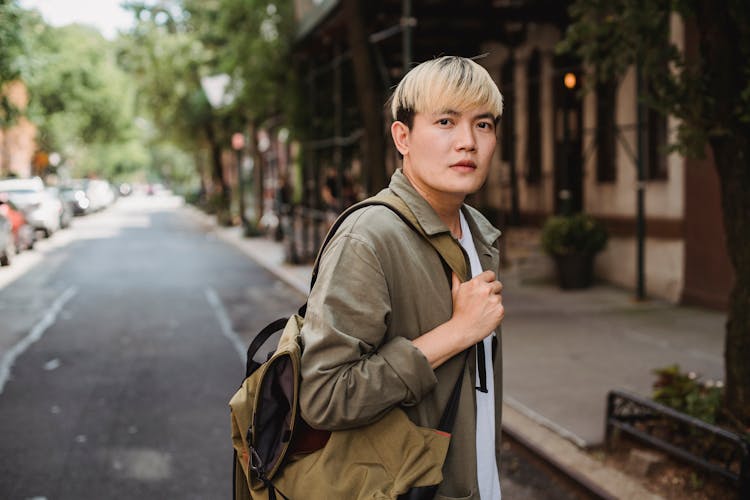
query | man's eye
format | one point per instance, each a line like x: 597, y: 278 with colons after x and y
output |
x: 443, y: 121
x: 484, y: 125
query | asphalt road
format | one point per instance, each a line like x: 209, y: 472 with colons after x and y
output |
x: 119, y: 346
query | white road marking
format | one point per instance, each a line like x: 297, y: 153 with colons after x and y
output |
x: 52, y: 364
x: 7, y: 360
x: 226, y: 323
x: 142, y: 464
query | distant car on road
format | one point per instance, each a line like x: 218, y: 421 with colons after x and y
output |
x: 99, y: 193
x: 125, y: 189
x: 74, y: 195
x: 7, y: 247
x: 66, y: 210
x: 42, y: 211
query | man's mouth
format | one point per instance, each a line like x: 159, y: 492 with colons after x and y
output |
x: 464, y: 165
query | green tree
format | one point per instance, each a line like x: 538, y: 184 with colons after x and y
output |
x: 710, y: 93
x: 11, y: 40
x: 250, y: 41
x: 177, y: 43
x: 11, y: 47
x: 80, y: 100
x: 167, y: 56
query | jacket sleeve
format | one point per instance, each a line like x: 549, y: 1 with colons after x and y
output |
x: 351, y: 374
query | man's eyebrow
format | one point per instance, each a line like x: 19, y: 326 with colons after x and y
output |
x: 484, y: 115
x: 448, y: 111
x: 453, y: 112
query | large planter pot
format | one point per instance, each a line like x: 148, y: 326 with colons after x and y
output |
x: 575, y: 270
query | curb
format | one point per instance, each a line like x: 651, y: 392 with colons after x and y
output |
x: 601, y: 480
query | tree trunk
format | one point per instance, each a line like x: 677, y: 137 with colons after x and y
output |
x: 731, y: 157
x: 368, y: 97
x: 203, y: 193
x: 4, y: 152
x: 222, y: 208
x: 258, y: 166
x: 722, y: 33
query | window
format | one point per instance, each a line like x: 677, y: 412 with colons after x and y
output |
x: 655, y: 166
x: 534, y: 125
x: 507, y: 124
x: 606, y: 131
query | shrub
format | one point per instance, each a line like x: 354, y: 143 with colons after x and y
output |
x: 685, y: 392
x: 580, y: 233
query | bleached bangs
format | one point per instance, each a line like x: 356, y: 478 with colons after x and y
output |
x: 445, y: 83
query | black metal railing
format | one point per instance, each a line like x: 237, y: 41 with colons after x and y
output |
x: 708, y: 447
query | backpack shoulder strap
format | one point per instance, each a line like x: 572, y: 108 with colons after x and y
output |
x: 447, y: 247
x: 444, y: 243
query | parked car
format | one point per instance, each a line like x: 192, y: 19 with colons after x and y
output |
x: 24, y: 236
x: 74, y: 195
x: 42, y: 211
x: 100, y: 194
x: 66, y: 211
x: 125, y: 189
x: 7, y: 248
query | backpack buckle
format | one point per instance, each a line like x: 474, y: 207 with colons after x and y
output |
x: 256, y: 463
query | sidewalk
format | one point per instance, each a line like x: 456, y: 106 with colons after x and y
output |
x: 562, y: 353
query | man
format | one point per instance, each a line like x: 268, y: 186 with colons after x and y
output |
x: 384, y: 327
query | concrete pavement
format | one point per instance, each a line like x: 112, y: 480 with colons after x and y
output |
x: 563, y: 351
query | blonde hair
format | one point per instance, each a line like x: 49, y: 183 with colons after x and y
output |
x: 447, y: 82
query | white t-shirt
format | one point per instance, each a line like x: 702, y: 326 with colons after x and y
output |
x: 487, y: 476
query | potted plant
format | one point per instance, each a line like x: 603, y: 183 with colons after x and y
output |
x: 573, y: 241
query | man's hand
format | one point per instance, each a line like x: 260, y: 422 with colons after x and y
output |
x: 477, y: 307
x: 477, y: 311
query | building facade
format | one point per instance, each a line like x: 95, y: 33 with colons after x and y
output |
x: 17, y: 142
x: 560, y: 150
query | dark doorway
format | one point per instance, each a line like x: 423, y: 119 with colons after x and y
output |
x: 568, y: 136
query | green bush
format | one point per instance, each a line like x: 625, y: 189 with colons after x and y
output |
x: 579, y: 233
x: 686, y: 393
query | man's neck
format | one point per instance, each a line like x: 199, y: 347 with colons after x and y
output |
x: 446, y: 206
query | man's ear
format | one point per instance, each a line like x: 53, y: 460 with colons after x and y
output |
x: 400, y: 134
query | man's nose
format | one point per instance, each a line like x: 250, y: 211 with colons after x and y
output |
x: 465, y: 140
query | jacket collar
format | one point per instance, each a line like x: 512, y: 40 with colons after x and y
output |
x: 480, y: 227
x: 430, y: 221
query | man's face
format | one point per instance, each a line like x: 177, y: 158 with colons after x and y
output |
x: 447, y: 154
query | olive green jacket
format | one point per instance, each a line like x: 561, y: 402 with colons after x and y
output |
x: 381, y: 285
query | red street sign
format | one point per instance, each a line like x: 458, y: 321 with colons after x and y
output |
x: 238, y: 141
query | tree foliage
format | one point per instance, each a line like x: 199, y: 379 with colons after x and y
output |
x: 251, y: 41
x: 11, y: 50
x: 166, y: 61
x: 178, y: 43
x: 80, y: 99
x: 615, y: 35
x: 11, y: 40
